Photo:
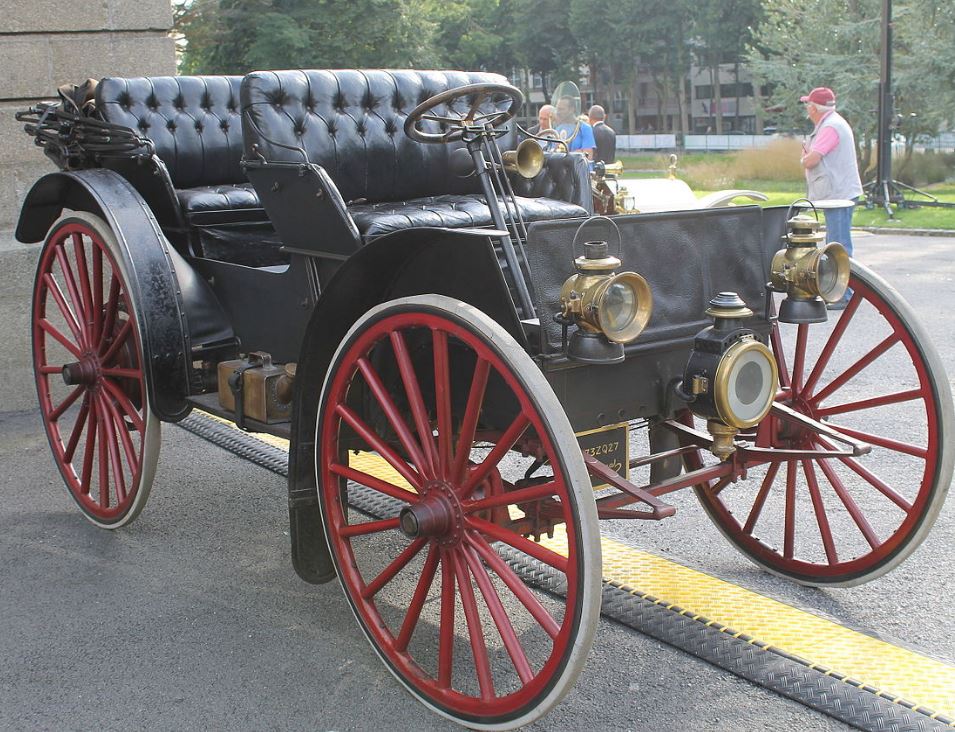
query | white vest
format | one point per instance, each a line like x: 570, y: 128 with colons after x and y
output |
x: 837, y: 174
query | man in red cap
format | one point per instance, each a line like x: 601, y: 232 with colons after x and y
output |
x: 832, y: 172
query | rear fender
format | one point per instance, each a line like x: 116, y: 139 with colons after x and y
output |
x: 459, y: 263
x: 171, y: 295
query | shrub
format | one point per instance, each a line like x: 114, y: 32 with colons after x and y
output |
x: 924, y: 168
x: 778, y: 161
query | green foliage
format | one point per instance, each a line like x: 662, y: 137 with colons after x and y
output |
x: 802, y: 44
x: 236, y: 36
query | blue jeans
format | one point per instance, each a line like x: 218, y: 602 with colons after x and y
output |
x: 839, y: 225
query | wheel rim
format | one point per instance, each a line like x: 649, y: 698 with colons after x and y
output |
x: 444, y: 534
x: 843, y: 521
x: 89, y: 376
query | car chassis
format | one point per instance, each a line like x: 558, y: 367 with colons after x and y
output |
x: 450, y: 370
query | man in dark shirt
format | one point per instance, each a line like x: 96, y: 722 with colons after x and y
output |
x: 606, y: 138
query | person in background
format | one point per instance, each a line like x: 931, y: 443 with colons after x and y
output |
x: 832, y: 172
x: 567, y: 126
x: 545, y: 120
x: 604, y: 135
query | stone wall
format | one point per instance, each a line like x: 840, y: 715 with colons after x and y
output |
x: 43, y: 44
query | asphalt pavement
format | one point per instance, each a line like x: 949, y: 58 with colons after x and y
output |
x: 192, y: 618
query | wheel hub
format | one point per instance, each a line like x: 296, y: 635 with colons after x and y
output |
x: 85, y: 371
x: 438, y: 515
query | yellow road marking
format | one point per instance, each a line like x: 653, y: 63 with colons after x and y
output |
x: 860, y: 659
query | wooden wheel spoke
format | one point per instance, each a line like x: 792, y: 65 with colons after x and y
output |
x: 417, y: 600
x: 512, y: 498
x: 376, y: 443
x: 112, y: 445
x: 68, y: 316
x: 789, y: 528
x: 820, y: 510
x: 482, y: 664
x: 415, y: 400
x: 73, y: 292
x: 67, y: 403
x: 369, y: 527
x: 851, y: 506
x: 498, y: 533
x: 117, y: 343
x: 103, y: 460
x: 121, y: 373
x: 777, y: 344
x: 88, y: 454
x: 446, y: 632
x: 472, y: 413
x: 799, y: 358
x: 760, y: 501
x: 96, y: 303
x: 111, y: 306
x: 79, y: 253
x: 853, y: 370
x: 499, y: 615
x: 394, y: 417
x: 47, y: 327
x: 871, y: 478
x: 393, y: 568
x: 119, y: 424
x: 503, y: 446
x: 129, y: 410
x: 442, y: 400
x: 886, y: 442
x: 81, y: 420
x: 515, y: 584
x: 832, y: 342
x: 879, y: 401
x: 376, y: 484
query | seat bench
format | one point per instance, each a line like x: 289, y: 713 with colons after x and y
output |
x: 350, y: 125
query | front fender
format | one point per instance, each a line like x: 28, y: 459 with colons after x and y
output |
x: 154, y: 268
x: 459, y: 263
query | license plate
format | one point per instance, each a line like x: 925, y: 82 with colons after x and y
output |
x: 610, y: 445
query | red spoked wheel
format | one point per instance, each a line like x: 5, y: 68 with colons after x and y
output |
x: 480, y: 458
x: 88, y: 364
x: 872, y: 374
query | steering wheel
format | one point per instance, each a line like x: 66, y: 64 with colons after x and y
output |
x: 457, y: 121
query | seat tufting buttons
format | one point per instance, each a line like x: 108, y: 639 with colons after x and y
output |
x: 171, y: 125
x: 224, y: 124
x: 198, y: 126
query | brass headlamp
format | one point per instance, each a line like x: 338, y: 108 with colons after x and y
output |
x: 810, y: 276
x: 609, y: 308
x: 731, y: 377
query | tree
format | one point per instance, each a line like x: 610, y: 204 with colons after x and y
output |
x: 236, y: 36
x: 807, y: 43
x: 542, y: 40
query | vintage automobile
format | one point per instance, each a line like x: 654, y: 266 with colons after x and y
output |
x: 468, y: 377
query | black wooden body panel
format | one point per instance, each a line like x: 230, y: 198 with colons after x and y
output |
x: 269, y: 308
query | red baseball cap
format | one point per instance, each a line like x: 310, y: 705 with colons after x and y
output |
x: 821, y: 95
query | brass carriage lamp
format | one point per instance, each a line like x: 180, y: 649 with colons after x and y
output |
x: 609, y: 308
x: 810, y: 276
x: 731, y: 377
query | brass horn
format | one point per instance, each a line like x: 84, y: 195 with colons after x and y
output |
x: 526, y: 161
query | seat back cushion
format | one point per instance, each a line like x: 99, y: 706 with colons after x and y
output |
x: 193, y: 121
x: 352, y: 124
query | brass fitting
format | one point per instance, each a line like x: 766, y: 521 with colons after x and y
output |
x: 723, y: 438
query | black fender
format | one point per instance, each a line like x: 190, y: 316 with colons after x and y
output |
x: 169, y: 292
x: 459, y: 263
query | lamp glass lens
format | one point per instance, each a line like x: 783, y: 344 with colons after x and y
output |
x: 618, y: 307
x: 827, y: 274
x: 751, y: 387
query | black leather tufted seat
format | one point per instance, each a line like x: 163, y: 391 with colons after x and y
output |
x: 351, y: 124
x: 196, y: 127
